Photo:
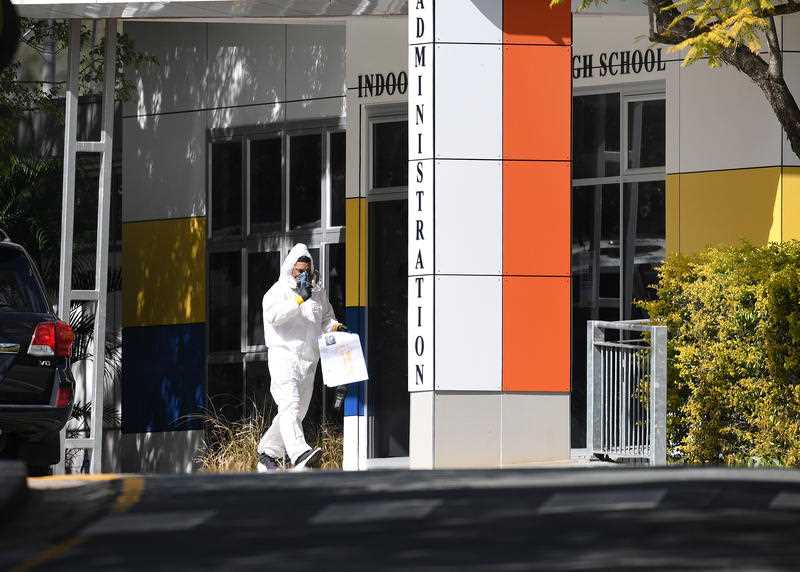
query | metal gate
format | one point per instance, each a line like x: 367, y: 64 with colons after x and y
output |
x: 627, y: 390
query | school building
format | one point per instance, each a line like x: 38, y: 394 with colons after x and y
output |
x: 476, y: 179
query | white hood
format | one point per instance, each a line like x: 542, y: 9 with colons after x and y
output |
x: 298, y: 250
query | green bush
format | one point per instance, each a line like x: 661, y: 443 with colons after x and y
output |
x: 733, y: 315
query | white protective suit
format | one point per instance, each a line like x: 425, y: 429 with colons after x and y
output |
x: 291, y: 330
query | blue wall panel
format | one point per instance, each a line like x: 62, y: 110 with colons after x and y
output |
x: 354, y: 402
x: 163, y: 377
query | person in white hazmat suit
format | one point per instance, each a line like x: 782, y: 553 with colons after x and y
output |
x: 296, y: 312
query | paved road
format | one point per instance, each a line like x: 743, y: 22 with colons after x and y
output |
x: 476, y: 520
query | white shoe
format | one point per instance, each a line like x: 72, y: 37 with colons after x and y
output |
x: 308, y: 460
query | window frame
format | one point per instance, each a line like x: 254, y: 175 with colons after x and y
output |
x: 280, y: 239
x: 632, y: 92
x: 376, y: 116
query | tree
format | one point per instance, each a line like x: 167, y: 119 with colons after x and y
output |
x: 49, y: 39
x: 730, y: 32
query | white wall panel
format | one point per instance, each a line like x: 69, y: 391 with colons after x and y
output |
x: 420, y: 441
x: 535, y: 428
x: 725, y: 122
x: 178, y: 81
x: 600, y: 36
x: 791, y: 32
x: 470, y: 21
x: 315, y: 61
x: 469, y: 217
x: 467, y: 430
x: 376, y: 45
x: 469, y: 102
x: 672, y: 111
x: 163, y: 166
x: 469, y: 333
x: 245, y: 64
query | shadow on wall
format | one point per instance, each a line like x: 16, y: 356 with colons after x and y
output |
x: 168, y: 452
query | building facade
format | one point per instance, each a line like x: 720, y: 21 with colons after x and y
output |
x: 475, y: 178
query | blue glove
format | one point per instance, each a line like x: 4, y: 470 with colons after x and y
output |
x: 303, y: 286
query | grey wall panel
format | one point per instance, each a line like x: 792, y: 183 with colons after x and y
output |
x: 163, y: 166
x: 315, y: 61
x: 245, y: 64
x: 178, y: 81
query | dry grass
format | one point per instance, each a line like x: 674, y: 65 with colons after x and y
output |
x: 230, y: 446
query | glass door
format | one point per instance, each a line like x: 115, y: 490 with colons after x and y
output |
x: 618, y: 215
x: 387, y: 400
x: 387, y: 314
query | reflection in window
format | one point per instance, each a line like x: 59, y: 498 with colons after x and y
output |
x: 263, y: 270
x: 338, y: 159
x: 390, y: 154
x: 266, y: 183
x: 609, y: 242
x: 596, y: 136
x: 224, y: 301
x: 646, y: 133
x: 645, y: 249
x: 225, y: 390
x: 336, y: 279
x: 226, y: 188
x: 305, y: 180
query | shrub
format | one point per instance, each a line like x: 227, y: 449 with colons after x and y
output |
x: 733, y: 315
x: 230, y: 446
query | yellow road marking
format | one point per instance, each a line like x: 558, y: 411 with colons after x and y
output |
x: 131, y: 493
x: 132, y: 489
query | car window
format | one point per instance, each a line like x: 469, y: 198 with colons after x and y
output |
x: 19, y: 289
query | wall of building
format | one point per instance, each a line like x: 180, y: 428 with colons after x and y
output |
x: 731, y: 174
x: 208, y: 76
x: 375, y: 47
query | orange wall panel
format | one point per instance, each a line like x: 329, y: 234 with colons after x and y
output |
x: 536, y: 218
x: 535, y: 22
x: 536, y: 334
x: 537, y: 103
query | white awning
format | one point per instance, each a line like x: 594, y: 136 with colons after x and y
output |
x: 208, y: 9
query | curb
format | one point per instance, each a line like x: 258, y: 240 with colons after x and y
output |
x: 13, y: 486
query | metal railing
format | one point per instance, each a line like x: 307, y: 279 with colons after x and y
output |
x: 626, y: 393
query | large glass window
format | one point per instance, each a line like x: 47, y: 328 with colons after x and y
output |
x: 618, y: 216
x: 266, y: 184
x: 289, y: 185
x: 389, y: 154
x: 305, y: 180
x: 226, y: 185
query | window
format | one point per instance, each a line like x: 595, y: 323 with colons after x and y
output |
x: 618, y: 214
x: 226, y: 182
x: 266, y: 184
x: 389, y: 168
x: 288, y: 185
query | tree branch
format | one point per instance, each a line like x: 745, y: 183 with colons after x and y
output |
x: 775, y: 54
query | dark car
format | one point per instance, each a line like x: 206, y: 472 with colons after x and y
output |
x: 36, y: 384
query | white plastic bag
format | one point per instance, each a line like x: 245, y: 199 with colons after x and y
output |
x: 342, y: 359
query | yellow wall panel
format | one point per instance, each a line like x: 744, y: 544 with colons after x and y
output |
x: 725, y: 207
x: 356, y: 252
x: 164, y: 265
x: 791, y: 203
x: 673, y: 214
